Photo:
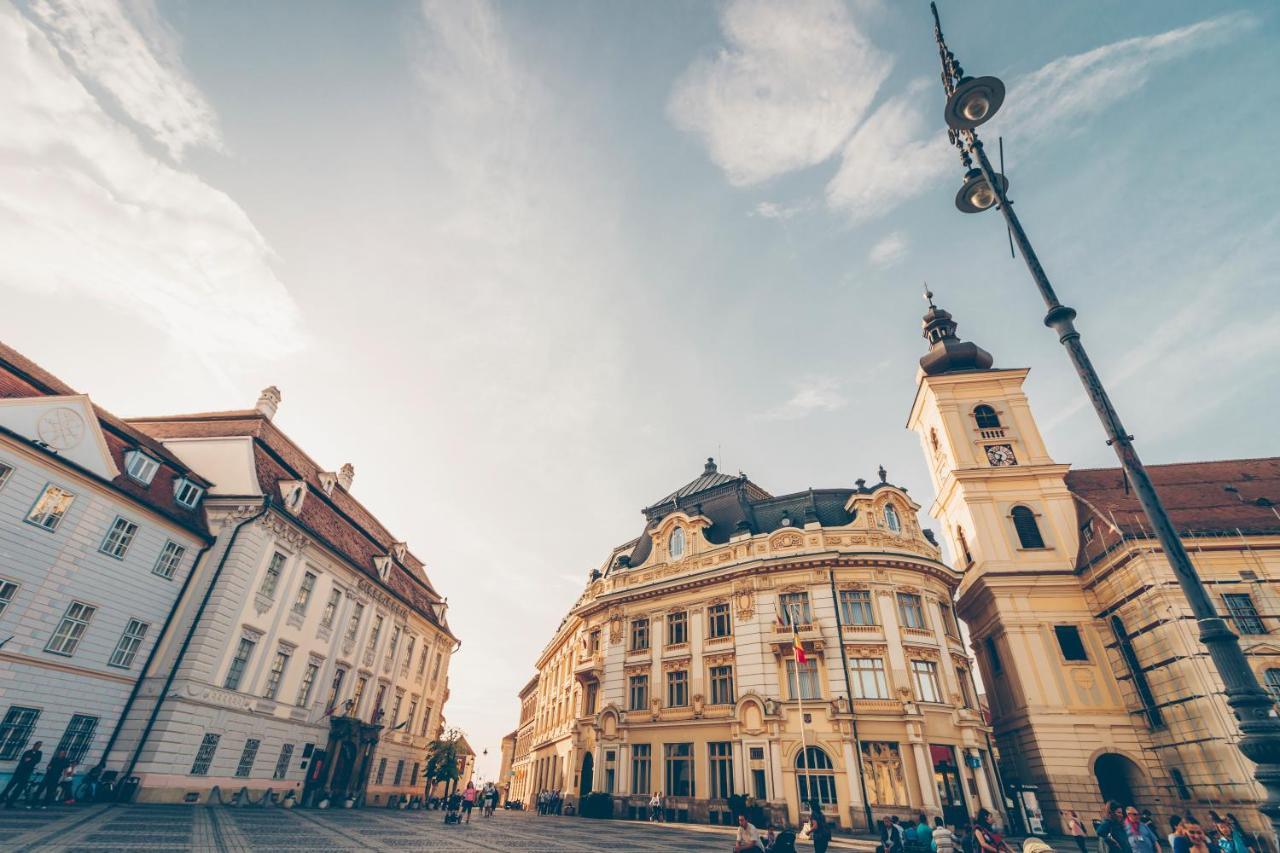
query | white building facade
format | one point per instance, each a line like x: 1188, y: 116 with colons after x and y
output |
x: 99, y: 529
x: 311, y: 659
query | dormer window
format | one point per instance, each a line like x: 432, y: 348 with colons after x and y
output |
x: 292, y: 494
x: 186, y: 493
x: 140, y: 467
x: 675, y: 545
x: 891, y: 519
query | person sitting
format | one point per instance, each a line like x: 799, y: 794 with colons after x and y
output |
x: 748, y: 838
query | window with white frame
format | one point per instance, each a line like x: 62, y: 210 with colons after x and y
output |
x: 235, y: 672
x: 15, y: 730
x: 639, y: 635
x: 303, y: 598
x: 204, y: 755
x: 247, y: 756
x: 408, y: 654
x: 77, y: 737
x: 868, y: 678
x: 8, y: 589
x: 638, y: 692
x: 677, y: 688
x: 1243, y: 613
x: 675, y: 545
x: 308, y: 684
x: 71, y: 629
x: 140, y: 467
x: 719, y: 620
x: 186, y: 492
x: 50, y: 508
x: 794, y: 608
x: 5, y: 471
x: 392, y: 643
x: 422, y: 659
x: 855, y: 607
x: 353, y: 624
x: 925, y: 673
x: 911, y: 610
x: 331, y: 607
x: 271, y: 579
x: 335, y: 689
x: 118, y: 538
x: 809, y: 685
x: 170, y: 558
x: 426, y: 721
x: 130, y: 642
x: 677, y: 628
x: 891, y: 519
x: 395, y: 708
x: 722, y: 685
x: 276, y: 674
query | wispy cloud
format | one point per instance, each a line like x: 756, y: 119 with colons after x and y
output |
x: 790, y: 85
x: 133, y: 54
x: 888, y: 250
x: 85, y: 209
x: 773, y: 210
x: 809, y: 395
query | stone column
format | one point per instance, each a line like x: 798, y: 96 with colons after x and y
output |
x: 856, y: 815
x: 624, y: 769
x: 775, y: 772
x: 597, y: 768
x: 924, y: 769
x: 739, y: 768
x: 980, y: 774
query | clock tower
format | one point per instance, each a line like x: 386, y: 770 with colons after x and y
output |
x: 1012, y: 528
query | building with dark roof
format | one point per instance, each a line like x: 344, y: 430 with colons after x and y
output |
x: 1098, y: 684
x: 676, y: 671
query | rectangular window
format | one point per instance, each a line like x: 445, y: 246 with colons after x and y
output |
x: 272, y: 578
x: 426, y: 721
x: 868, y: 678
x: 794, y: 607
x: 677, y: 688
x: 1242, y: 612
x: 140, y: 467
x: 304, y: 593
x: 911, y: 610
x: 966, y: 689
x: 130, y: 642
x: 375, y: 634
x: 638, y: 691
x: 399, y: 773
x: 395, y: 709
x: 186, y: 492
x: 677, y: 628
x: 353, y: 624
x: 949, y: 620
x: 8, y: 589
x: 5, y: 471
x: 679, y: 758
x: 170, y: 558
x: 1070, y: 643
x: 378, y: 700
x: 77, y: 737
x: 71, y: 629
x: 809, y: 684
x: 855, y: 607
x: 392, y: 643
x: 412, y: 715
x: 593, y: 641
x: 361, y: 684
x: 282, y: 763
x: 116, y: 543
x: 50, y: 508
x: 925, y: 673
x: 719, y: 621
x: 435, y: 667
x: 382, y: 770
x: 247, y: 756
x: 720, y: 754
x: 335, y: 690
x: 276, y: 674
x: 204, y: 755
x: 331, y: 607
x: 722, y: 685
x: 641, y: 754
x: 413, y: 776
x: 16, y: 729
x: 639, y: 635
x: 308, y: 683
x: 235, y: 672
x: 408, y: 654
x: 422, y: 659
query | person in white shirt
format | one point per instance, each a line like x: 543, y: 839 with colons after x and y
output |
x: 943, y: 840
x: 748, y: 837
x: 655, y: 806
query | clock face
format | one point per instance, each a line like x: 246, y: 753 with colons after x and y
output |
x: 1001, y: 455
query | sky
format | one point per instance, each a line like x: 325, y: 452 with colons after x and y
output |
x: 526, y: 265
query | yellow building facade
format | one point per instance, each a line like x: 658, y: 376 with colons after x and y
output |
x: 674, y: 672
x: 1098, y: 685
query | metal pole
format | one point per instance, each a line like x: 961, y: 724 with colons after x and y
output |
x: 853, y: 717
x: 1260, y: 741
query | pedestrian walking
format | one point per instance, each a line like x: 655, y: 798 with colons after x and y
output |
x: 944, y: 841
x: 1111, y: 834
x: 27, y: 763
x: 819, y: 829
x: 1075, y: 828
x: 655, y: 807
x: 468, y: 801
x: 53, y: 777
x: 1141, y: 838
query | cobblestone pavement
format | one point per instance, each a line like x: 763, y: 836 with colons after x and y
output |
x: 152, y: 829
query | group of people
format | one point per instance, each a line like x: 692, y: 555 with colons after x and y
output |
x: 459, y: 805
x: 54, y: 786
x: 550, y: 802
x: 1125, y: 829
x: 907, y: 835
x: 753, y: 839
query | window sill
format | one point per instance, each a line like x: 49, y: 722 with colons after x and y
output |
x: 296, y: 619
x: 262, y: 603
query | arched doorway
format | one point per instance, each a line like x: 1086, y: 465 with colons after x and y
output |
x: 1117, y: 778
x: 588, y: 770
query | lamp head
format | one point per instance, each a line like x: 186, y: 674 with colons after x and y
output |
x: 975, y: 101
x: 976, y: 195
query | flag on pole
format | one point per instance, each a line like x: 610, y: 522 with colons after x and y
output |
x: 798, y: 648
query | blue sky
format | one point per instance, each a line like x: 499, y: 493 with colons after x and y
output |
x: 526, y: 265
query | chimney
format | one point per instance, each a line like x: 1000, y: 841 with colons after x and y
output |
x: 268, y: 402
x: 346, y: 474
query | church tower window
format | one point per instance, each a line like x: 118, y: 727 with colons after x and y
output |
x: 675, y: 545
x: 1024, y: 522
x: 986, y: 417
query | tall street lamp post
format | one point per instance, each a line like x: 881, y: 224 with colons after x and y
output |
x: 970, y: 103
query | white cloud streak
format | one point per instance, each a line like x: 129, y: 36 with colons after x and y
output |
x: 809, y: 395
x: 86, y: 210
x: 888, y: 250
x: 135, y: 58
x: 791, y: 84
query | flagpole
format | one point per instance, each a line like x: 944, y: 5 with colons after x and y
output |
x: 804, y: 745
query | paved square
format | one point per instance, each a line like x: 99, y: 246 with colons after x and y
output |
x: 178, y: 828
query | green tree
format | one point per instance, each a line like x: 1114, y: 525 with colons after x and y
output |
x: 442, y: 761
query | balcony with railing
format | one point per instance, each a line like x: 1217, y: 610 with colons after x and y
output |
x: 991, y: 432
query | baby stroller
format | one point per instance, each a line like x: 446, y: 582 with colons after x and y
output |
x: 453, y: 809
x: 784, y: 842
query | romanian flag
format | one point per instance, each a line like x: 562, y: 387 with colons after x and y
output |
x: 798, y: 648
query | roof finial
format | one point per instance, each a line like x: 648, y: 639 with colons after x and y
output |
x: 884, y: 475
x: 710, y: 467
x: 928, y: 295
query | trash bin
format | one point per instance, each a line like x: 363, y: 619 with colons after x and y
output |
x: 128, y: 789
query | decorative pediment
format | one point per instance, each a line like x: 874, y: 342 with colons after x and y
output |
x: 65, y: 425
x: 293, y: 493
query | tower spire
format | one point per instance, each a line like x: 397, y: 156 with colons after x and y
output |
x: 947, y: 353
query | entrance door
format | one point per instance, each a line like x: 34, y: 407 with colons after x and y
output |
x: 588, y: 771
x: 946, y: 778
x: 1117, y: 777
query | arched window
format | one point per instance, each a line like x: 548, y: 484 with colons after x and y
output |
x: 815, y: 776
x: 1024, y: 521
x: 891, y: 519
x: 675, y: 545
x: 986, y: 417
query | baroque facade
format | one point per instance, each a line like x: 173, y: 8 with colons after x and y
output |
x: 674, y: 670
x: 311, y: 657
x: 1098, y: 685
x: 100, y: 527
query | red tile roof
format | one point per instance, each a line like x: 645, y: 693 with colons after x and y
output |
x: 337, y: 518
x: 1194, y: 493
x: 21, y: 377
